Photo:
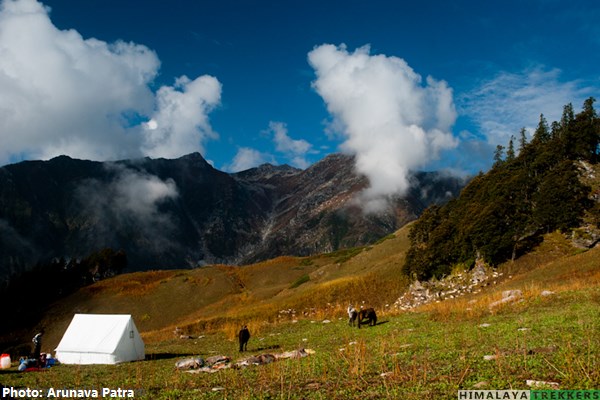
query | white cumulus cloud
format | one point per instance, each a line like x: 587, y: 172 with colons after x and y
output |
x: 390, y: 119
x: 63, y: 94
x: 180, y: 124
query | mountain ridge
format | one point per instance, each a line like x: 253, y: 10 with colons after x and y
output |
x: 174, y: 213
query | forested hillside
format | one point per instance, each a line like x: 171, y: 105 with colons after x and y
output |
x: 533, y: 188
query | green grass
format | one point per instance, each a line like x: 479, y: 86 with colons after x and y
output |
x: 420, y: 357
x: 303, y: 279
x: 430, y: 353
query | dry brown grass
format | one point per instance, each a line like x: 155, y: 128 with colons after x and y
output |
x: 135, y: 284
x: 556, y: 267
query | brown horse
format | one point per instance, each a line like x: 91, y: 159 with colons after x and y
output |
x: 244, y: 336
x: 367, y: 314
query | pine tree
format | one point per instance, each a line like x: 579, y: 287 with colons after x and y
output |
x: 542, y: 133
x: 498, y: 155
x: 568, y: 116
x: 587, y: 125
x: 510, y: 153
x: 522, y: 139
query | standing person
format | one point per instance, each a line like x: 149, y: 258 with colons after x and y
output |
x: 37, y: 345
x: 244, y: 336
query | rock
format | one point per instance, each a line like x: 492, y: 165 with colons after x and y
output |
x: 538, y: 384
x: 512, y: 294
x: 490, y: 357
x: 508, y: 296
x: 481, y: 385
x: 478, y: 274
x: 546, y: 293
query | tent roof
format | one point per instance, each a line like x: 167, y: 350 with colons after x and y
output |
x: 96, y: 333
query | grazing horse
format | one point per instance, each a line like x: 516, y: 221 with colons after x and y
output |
x: 352, y: 314
x: 244, y: 336
x: 369, y: 314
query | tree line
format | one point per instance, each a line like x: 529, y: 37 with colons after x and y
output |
x: 532, y: 188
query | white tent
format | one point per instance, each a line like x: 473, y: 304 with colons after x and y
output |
x: 100, y: 339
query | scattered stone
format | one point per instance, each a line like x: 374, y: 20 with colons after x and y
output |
x: 537, y: 384
x: 326, y: 321
x: 523, y: 329
x: 490, y: 357
x: 384, y: 374
x: 480, y: 385
x: 218, y: 389
x: 508, y: 296
x: 512, y: 294
x: 546, y: 293
x: 450, y: 287
x: 485, y: 325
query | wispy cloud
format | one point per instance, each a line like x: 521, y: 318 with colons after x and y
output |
x: 389, y: 117
x: 295, y: 151
x: 247, y: 158
x: 63, y: 94
x: 501, y: 106
x: 129, y: 202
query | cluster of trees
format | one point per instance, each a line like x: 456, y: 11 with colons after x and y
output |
x: 529, y: 191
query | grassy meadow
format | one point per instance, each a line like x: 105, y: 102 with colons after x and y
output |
x: 290, y: 303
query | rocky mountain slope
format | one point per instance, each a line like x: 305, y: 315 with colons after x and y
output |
x: 184, y: 213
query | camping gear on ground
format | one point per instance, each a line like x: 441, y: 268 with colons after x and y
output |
x: 100, y: 339
x: 50, y: 361
x: 5, y: 361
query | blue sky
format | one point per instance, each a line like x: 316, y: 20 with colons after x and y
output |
x: 403, y: 85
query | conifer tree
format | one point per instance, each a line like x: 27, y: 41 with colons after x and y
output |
x: 568, y: 116
x: 498, y: 155
x: 522, y: 140
x: 542, y: 133
x: 510, y: 153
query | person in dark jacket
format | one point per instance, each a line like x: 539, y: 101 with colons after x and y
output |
x: 244, y: 336
x: 37, y: 345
